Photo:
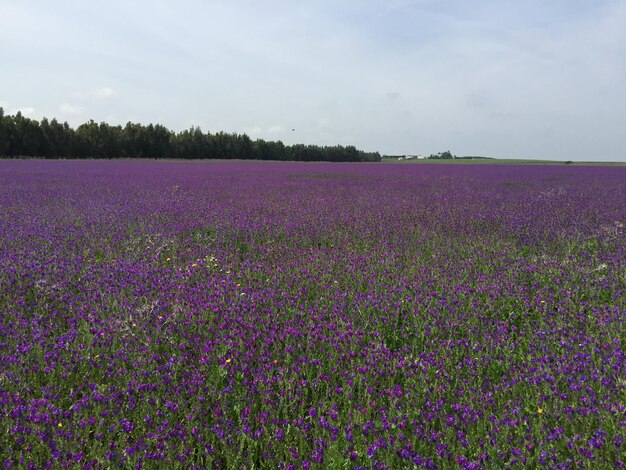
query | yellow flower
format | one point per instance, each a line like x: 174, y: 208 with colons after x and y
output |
x: 194, y: 265
x: 540, y: 410
x: 60, y: 425
x: 228, y: 361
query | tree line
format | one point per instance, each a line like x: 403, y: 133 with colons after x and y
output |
x: 447, y: 155
x: 21, y: 136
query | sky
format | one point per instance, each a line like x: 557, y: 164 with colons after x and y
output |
x: 539, y: 79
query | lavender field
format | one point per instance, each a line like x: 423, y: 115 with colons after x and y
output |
x: 290, y: 315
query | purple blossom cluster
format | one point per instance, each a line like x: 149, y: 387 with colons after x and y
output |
x: 292, y: 315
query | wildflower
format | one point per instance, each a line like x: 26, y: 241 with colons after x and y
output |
x: 540, y: 411
x: 228, y: 360
x: 168, y: 259
x: 318, y: 455
x: 194, y: 265
x: 60, y: 424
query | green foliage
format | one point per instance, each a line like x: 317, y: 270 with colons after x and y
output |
x: 442, y: 156
x: 4, y: 141
x: 24, y: 137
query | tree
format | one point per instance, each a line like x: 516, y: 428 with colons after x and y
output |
x: 10, y: 139
x: 56, y: 139
x: 27, y: 139
x: 442, y: 156
x: 242, y: 147
x: 21, y: 136
x: 88, y: 139
x: 4, y: 135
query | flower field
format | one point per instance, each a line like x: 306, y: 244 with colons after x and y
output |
x: 291, y: 315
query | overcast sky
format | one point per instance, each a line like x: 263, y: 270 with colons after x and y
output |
x: 503, y: 78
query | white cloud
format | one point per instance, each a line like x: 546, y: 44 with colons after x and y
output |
x: 259, y: 131
x: 94, y: 94
x: 253, y: 131
x: 25, y: 110
x: 103, y: 92
x: 324, y: 122
x: 73, y: 109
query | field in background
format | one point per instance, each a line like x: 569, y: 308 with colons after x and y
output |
x: 292, y: 315
x: 502, y: 161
